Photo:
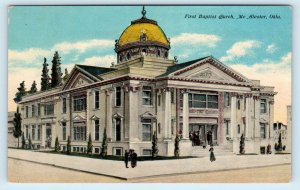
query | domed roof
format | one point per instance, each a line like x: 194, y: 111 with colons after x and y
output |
x: 143, y: 26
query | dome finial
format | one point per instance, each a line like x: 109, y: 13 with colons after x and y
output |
x: 144, y: 12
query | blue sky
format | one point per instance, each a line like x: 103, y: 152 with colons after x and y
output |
x: 257, y: 48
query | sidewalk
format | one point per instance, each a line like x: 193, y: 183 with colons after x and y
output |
x: 150, y: 168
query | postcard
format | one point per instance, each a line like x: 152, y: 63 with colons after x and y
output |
x: 149, y: 94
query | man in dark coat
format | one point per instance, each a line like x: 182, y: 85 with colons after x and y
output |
x: 126, y: 158
x: 133, y: 157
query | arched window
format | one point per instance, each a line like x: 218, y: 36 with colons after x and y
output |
x: 166, y: 54
x: 121, y: 58
x: 158, y: 53
x: 128, y: 56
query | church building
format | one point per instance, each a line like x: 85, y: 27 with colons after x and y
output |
x: 146, y: 92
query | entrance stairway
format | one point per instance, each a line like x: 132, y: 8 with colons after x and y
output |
x: 219, y: 150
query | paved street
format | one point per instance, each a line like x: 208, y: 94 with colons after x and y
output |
x: 152, y: 169
x: 28, y: 172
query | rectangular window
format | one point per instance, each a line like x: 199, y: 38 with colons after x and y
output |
x: 64, y: 108
x: 26, y: 109
x: 26, y: 131
x: 39, y: 109
x: 147, y: 152
x: 181, y: 100
x: 118, y: 129
x: 262, y: 130
x: 158, y: 100
x: 172, y: 126
x: 147, y: 95
x: 203, y: 101
x: 97, y: 136
x: 147, y: 128
x: 172, y: 97
x: 39, y: 132
x: 97, y: 150
x: 64, y: 131
x: 238, y: 104
x: 33, y: 132
x: 79, y: 103
x: 79, y: 132
x: 32, y: 111
x: 238, y: 129
x: 97, y: 100
x: 244, y: 103
x: 118, y: 96
x: 48, y: 109
x: 227, y: 99
x: 227, y: 127
x: 263, y: 106
x: 118, y: 151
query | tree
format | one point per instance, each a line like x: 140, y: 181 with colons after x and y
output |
x: 56, y: 75
x: 90, y: 145
x: 69, y: 145
x: 56, y: 148
x: 33, y: 88
x: 45, y: 76
x: 154, y: 145
x: 23, y: 141
x: 17, y: 132
x: 29, y: 143
x: 176, y: 149
x: 21, y: 92
x: 104, y: 144
x: 242, y: 144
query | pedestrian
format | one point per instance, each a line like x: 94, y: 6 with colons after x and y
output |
x: 212, y: 155
x: 126, y: 158
x: 133, y: 157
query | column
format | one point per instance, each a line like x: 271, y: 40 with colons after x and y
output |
x: 185, y: 116
x: 248, y: 118
x: 256, y: 117
x: 87, y: 113
x: 167, y: 115
x: 233, y: 124
x: 43, y: 134
x: 133, y: 126
x: 109, y: 120
x: 271, y: 121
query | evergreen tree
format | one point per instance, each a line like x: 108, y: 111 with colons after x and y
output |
x: 56, y: 148
x: 104, y: 144
x: 23, y: 141
x: 56, y: 75
x: 33, y: 88
x: 176, y: 149
x: 66, y: 75
x: 17, y: 132
x: 154, y: 145
x: 69, y: 145
x: 242, y: 144
x: 90, y: 145
x: 29, y: 143
x: 45, y: 76
x: 21, y: 92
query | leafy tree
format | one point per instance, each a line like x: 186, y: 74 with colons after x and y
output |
x: 33, y: 88
x: 17, y: 132
x: 23, y: 141
x: 154, y: 145
x: 56, y: 148
x: 104, y: 144
x: 21, y: 92
x: 176, y: 149
x: 56, y: 75
x: 90, y: 145
x: 69, y: 145
x: 45, y: 84
x: 29, y: 143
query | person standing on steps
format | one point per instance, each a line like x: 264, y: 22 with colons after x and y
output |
x: 126, y: 158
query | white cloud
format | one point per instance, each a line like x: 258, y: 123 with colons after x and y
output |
x: 195, y: 39
x: 272, y: 48
x: 270, y: 73
x: 240, y: 49
x: 82, y: 46
x: 104, y: 61
x: 28, y: 56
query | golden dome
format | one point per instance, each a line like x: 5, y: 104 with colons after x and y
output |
x: 143, y: 26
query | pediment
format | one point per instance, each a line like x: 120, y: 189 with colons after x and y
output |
x: 94, y: 117
x: 210, y: 69
x: 78, y: 78
x: 147, y: 115
x: 78, y: 118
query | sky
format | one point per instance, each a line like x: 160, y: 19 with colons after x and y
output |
x: 258, y: 48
